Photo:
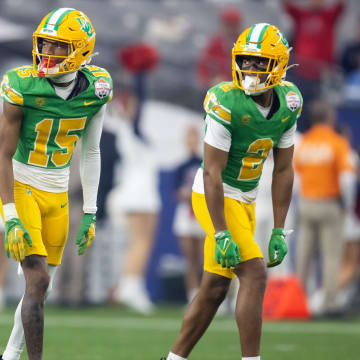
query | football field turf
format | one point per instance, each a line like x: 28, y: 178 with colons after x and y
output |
x: 113, y: 333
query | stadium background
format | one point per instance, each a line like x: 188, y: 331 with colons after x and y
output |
x: 179, y: 29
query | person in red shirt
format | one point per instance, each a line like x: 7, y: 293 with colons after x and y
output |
x: 314, y: 34
x: 214, y: 64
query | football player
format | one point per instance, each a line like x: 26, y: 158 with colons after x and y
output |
x: 48, y: 107
x: 244, y: 120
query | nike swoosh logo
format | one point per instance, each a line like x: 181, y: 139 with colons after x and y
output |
x: 63, y: 205
x: 225, y: 242
x: 88, y: 103
x: 284, y: 119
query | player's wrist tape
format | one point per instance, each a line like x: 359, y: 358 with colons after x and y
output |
x: 10, y: 211
x: 89, y: 210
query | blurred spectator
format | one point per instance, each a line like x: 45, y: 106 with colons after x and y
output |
x: 186, y: 227
x: 137, y: 198
x: 137, y: 195
x: 352, y: 83
x: 214, y: 64
x: 314, y: 34
x: 314, y: 44
x: 349, y: 270
x: 327, y: 181
x: 350, y: 57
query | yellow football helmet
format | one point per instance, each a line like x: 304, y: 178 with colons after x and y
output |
x: 262, y: 41
x: 68, y: 26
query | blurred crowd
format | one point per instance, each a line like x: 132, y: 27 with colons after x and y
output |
x: 148, y: 247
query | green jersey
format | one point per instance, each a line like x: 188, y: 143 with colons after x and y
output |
x: 51, y: 125
x: 252, y: 135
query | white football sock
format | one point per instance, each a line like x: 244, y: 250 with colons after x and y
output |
x: 173, y: 356
x: 16, y: 341
x: 251, y: 358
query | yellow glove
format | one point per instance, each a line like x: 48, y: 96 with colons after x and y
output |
x: 15, y: 235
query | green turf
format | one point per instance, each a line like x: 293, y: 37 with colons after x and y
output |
x: 110, y: 333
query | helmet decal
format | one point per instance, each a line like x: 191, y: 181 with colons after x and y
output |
x: 85, y: 26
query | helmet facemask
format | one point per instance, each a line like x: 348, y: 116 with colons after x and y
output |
x: 254, y: 79
x: 49, y: 65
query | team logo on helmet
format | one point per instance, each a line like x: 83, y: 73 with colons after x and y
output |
x: 85, y: 26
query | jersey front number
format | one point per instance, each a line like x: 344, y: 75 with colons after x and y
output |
x: 252, y: 165
x: 64, y: 140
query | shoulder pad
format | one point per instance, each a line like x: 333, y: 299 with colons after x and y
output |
x: 102, y: 82
x: 218, y: 101
x: 97, y: 71
x: 293, y: 97
x: 14, y: 81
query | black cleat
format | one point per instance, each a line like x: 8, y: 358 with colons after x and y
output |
x: 160, y: 359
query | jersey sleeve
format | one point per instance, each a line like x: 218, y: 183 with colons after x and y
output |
x: 344, y: 158
x: 288, y: 138
x: 218, y: 105
x: 294, y: 102
x: 103, y: 84
x: 10, y: 89
x: 217, y: 135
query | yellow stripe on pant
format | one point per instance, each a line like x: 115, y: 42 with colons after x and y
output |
x: 241, y: 221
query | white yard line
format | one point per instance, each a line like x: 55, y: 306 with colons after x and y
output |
x: 166, y: 324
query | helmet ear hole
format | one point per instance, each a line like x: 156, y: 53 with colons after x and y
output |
x: 85, y: 53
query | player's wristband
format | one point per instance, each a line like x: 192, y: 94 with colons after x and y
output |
x: 10, y: 211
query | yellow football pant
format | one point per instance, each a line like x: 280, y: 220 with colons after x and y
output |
x: 45, y: 217
x: 241, y: 221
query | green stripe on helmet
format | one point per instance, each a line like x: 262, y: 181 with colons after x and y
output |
x: 261, y: 36
x: 61, y: 19
x: 56, y: 17
x: 250, y: 32
x: 256, y: 34
x: 49, y: 17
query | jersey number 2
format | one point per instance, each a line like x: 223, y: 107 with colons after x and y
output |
x: 64, y: 140
x: 252, y: 165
